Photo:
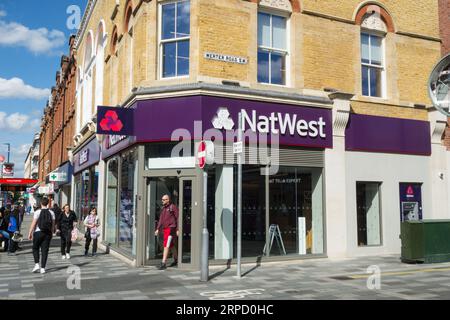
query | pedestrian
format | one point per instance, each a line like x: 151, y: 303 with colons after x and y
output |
x: 4, y: 235
x: 13, y: 227
x: 21, y: 215
x: 41, y: 231
x: 92, y: 223
x: 58, y: 214
x: 67, y: 222
x: 168, y: 222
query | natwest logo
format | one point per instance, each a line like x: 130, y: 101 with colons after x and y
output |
x: 279, y: 123
x: 276, y: 123
x: 223, y: 120
x: 111, y: 122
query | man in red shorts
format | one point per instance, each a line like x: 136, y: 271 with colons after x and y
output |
x: 168, y: 223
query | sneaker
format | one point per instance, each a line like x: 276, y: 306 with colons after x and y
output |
x: 162, y: 266
x: 63, y: 257
x: 42, y: 270
x: 85, y: 253
x: 174, y: 264
x: 67, y: 256
x: 36, y: 268
x: 94, y: 254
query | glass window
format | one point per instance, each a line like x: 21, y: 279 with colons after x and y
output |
x: 295, y: 211
x: 127, y: 210
x: 175, y: 33
x: 272, y: 49
x: 111, y: 201
x: 368, y: 213
x: 372, y: 71
x: 253, y: 212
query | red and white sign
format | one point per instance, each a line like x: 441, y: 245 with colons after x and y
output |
x: 8, y: 169
x: 201, y: 155
x: 205, y: 153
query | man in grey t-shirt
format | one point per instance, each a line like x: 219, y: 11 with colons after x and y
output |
x: 41, y: 238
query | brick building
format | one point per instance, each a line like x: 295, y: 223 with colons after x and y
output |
x: 57, y: 130
x: 337, y: 86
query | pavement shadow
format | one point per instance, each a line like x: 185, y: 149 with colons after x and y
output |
x: 215, y: 275
x: 258, y: 264
x: 50, y: 270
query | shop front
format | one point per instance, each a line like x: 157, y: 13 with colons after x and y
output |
x: 86, y: 178
x: 283, y: 213
x: 61, y: 178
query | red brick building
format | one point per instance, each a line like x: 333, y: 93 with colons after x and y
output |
x: 58, y: 127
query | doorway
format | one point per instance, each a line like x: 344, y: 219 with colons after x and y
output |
x: 182, y: 192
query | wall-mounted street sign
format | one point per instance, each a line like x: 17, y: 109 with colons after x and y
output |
x: 225, y: 58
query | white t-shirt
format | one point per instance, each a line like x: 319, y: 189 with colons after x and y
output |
x: 37, y: 213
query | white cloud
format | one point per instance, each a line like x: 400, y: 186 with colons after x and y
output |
x: 22, y: 150
x: 38, y: 41
x: 18, y: 122
x: 16, y: 88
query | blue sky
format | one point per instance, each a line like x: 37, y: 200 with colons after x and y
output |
x: 33, y: 36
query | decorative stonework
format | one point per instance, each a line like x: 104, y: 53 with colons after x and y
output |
x: 284, y: 5
x: 373, y: 21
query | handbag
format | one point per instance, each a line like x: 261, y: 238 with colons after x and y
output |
x: 87, y: 234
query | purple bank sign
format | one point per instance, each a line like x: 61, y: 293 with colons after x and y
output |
x: 156, y: 120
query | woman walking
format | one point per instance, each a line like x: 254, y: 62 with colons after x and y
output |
x: 92, y: 223
x: 67, y: 221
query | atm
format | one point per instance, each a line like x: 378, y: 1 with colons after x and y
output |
x: 410, y: 202
x: 410, y: 211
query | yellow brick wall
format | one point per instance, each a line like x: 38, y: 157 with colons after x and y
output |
x: 419, y: 17
x: 223, y: 28
x: 323, y: 52
x: 385, y: 110
x: 330, y: 54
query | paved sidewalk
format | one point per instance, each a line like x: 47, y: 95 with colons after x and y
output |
x: 105, y: 277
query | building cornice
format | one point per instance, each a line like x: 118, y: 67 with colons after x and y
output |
x: 226, y: 91
x: 86, y: 16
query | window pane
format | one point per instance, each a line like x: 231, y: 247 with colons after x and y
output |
x: 127, y: 202
x: 278, y: 68
x: 168, y: 21
x: 279, y: 32
x: 365, y: 58
x: 169, y: 59
x: 365, y: 81
x: 183, y: 58
x: 183, y: 19
x: 368, y: 214
x: 111, y: 201
x: 264, y: 29
x: 375, y: 82
x: 376, y: 53
x: 263, y: 66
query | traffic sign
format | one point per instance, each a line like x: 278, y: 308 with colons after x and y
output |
x: 201, y: 155
x: 237, y: 147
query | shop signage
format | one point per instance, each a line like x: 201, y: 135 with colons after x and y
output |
x: 8, y: 169
x: 225, y: 58
x: 57, y: 177
x: 18, y: 181
x: 115, y: 121
x: 113, y: 140
x: 84, y: 156
x: 276, y: 123
x: 193, y: 116
x: 205, y: 154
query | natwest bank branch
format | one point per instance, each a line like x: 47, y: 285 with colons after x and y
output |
x: 308, y: 185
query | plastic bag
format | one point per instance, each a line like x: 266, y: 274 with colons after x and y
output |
x: 76, y: 235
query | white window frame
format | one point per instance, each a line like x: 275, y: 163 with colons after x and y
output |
x: 381, y: 35
x: 286, y: 16
x: 162, y: 42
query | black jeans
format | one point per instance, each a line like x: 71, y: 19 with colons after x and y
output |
x: 12, y: 246
x: 66, y: 241
x: 88, y: 243
x: 41, y: 241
